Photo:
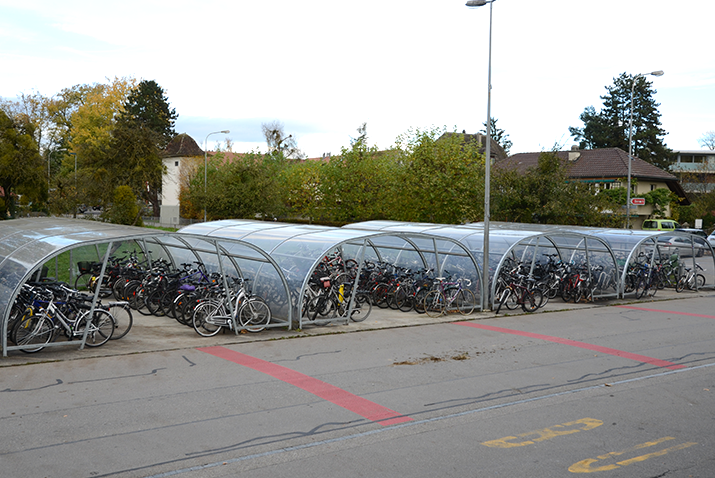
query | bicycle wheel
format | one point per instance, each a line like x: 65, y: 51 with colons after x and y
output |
x: 532, y: 299
x: 698, y: 280
x: 254, y: 314
x: 466, y: 301
x: 123, y: 319
x: 506, y: 296
x: 322, y: 305
x: 434, y: 303
x: 680, y: 286
x: 418, y: 303
x: 101, y: 327
x: 403, y: 299
x: 33, y: 330
x: 361, y: 308
x: 153, y: 303
x: 82, y: 281
x: 640, y: 287
x: 380, y: 296
x: 205, y: 319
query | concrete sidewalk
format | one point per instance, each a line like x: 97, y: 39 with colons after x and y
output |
x: 156, y: 334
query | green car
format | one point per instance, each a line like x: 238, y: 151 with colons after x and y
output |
x: 660, y: 225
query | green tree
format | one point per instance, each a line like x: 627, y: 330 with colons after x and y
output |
x: 438, y: 181
x: 609, y: 128
x: 544, y: 194
x: 124, y: 208
x: 246, y: 187
x: 498, y: 135
x: 142, y: 129
x: 356, y: 185
x: 22, y: 170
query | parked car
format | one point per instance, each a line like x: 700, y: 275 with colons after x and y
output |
x: 681, y: 245
x: 660, y: 225
x: 711, y: 238
x: 692, y: 230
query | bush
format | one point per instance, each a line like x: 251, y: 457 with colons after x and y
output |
x: 124, y: 209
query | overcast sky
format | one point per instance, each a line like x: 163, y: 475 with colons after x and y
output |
x: 324, y: 67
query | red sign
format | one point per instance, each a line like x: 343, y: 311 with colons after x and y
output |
x: 638, y: 201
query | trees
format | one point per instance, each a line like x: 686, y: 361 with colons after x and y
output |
x: 545, y: 195
x: 142, y: 129
x: 277, y: 141
x: 439, y: 181
x: 498, y: 135
x: 22, y: 170
x: 609, y: 128
x: 707, y: 140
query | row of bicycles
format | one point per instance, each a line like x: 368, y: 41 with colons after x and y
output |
x: 334, y: 290
x: 530, y: 287
x: 189, y: 294
x: 43, y: 312
x: 646, y: 275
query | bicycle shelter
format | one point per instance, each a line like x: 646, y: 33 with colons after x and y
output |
x: 279, y: 258
x: 613, y: 249
x: 35, y: 249
x: 299, y: 249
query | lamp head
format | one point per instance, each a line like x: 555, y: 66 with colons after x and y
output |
x: 477, y: 3
x: 657, y: 73
x: 227, y: 131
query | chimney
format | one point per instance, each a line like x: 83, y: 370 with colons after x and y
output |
x: 574, y: 154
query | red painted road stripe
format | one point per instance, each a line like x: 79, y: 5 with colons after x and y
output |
x: 583, y: 345
x: 665, y: 311
x: 365, y: 408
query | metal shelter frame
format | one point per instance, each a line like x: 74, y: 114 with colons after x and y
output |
x: 299, y: 249
x: 26, y: 245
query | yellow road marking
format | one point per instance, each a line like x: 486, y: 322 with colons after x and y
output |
x: 584, y: 466
x: 545, y: 434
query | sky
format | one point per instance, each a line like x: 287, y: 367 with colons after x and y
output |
x: 322, y: 68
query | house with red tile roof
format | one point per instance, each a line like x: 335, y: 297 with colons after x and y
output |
x: 607, y: 168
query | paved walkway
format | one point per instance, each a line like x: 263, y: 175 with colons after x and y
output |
x: 156, y: 334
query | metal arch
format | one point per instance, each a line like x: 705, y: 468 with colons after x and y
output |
x: 367, y: 239
x: 653, y: 238
x: 550, y: 237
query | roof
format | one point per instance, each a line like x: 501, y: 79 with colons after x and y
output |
x: 496, y: 151
x: 604, y: 163
x: 182, y: 146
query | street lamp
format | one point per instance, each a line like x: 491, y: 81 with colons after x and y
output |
x: 630, y: 144
x: 206, y: 141
x: 487, y: 163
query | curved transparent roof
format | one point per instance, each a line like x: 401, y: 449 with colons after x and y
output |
x: 298, y: 249
x: 53, y: 247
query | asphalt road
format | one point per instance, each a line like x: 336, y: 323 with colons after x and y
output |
x: 616, y: 391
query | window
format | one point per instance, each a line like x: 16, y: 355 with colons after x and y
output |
x: 176, y: 163
x: 653, y: 187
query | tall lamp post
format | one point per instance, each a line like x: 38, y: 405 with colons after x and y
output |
x: 484, y: 300
x: 206, y: 141
x: 630, y: 144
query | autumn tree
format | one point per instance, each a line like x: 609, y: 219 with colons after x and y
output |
x: 142, y: 129
x: 609, y: 127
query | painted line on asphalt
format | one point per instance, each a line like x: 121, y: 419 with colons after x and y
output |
x: 361, y: 406
x: 376, y: 431
x: 575, y: 343
x: 665, y: 311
